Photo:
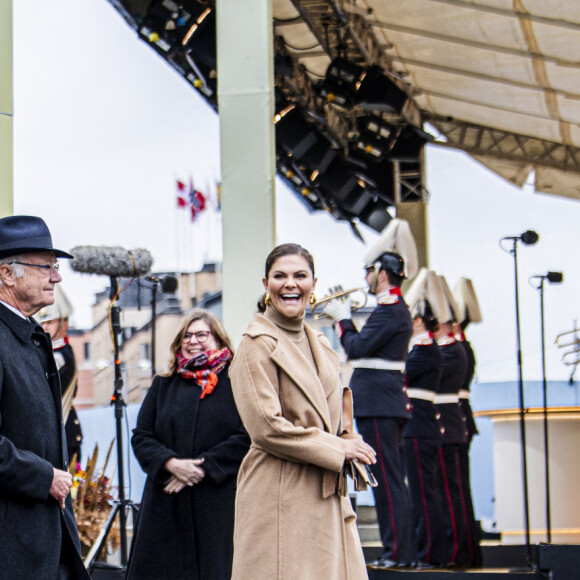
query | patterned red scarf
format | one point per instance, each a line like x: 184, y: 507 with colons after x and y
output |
x: 204, y: 368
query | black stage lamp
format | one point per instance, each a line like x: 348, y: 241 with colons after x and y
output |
x: 293, y: 133
x: 359, y: 198
x: 200, y: 39
x: 167, y: 23
x: 379, y: 177
x: 376, y: 138
x: 376, y: 216
x: 341, y: 184
x: 318, y: 158
x: 341, y: 82
x: 338, y: 181
x: 410, y: 143
x: 376, y: 92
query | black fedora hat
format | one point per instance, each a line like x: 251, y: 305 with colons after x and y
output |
x: 23, y: 234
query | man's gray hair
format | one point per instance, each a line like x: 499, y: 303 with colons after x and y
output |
x: 18, y: 269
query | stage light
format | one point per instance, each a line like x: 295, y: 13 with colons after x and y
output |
x: 195, y: 26
x: 318, y: 157
x: 376, y: 92
x: 341, y: 82
x: 379, y: 177
x: 376, y: 216
x: 200, y: 40
x: 409, y: 144
x: 338, y: 181
x: 376, y: 138
x: 293, y: 133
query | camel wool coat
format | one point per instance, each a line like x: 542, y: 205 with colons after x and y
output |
x: 289, y: 521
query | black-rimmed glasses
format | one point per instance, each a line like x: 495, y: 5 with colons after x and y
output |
x: 200, y: 336
x: 51, y: 269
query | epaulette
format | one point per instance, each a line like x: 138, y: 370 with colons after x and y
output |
x: 423, y: 339
x: 391, y: 299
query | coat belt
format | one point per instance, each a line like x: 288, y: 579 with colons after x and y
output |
x: 463, y: 394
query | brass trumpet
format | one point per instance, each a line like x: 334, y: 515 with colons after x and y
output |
x: 570, y: 342
x: 571, y: 362
x: 339, y: 294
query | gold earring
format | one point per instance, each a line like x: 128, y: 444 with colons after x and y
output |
x: 312, y: 299
x: 267, y: 299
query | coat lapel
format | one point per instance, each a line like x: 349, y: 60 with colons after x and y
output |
x: 293, y: 363
x: 326, y: 360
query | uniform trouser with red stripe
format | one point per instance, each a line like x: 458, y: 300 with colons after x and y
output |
x: 423, y: 475
x: 393, y: 504
x: 460, y: 550
x: 474, y: 529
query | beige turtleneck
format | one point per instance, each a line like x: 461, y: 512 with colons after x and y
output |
x: 294, y: 329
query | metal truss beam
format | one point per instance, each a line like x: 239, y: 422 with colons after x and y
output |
x: 343, y: 33
x: 490, y: 142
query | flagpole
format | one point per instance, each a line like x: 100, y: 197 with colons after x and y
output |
x: 176, y: 209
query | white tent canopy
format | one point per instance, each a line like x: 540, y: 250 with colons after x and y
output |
x: 497, y: 78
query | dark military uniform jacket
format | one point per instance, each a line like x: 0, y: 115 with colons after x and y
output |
x: 423, y: 370
x: 464, y: 392
x: 378, y: 392
x: 454, y: 368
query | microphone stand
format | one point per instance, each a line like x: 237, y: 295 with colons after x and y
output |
x: 153, y: 318
x: 121, y: 505
x: 540, y: 288
x: 514, y: 253
x: 552, y: 277
x: 545, y: 397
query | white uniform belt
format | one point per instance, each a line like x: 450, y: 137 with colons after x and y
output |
x: 463, y: 394
x: 421, y: 394
x: 378, y: 363
x: 445, y: 399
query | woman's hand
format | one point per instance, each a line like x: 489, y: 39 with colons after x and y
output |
x: 187, y: 471
x: 359, y: 450
x: 173, y: 485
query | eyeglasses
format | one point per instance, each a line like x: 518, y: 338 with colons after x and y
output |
x: 52, y: 269
x: 200, y: 336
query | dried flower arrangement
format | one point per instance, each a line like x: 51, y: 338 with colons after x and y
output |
x: 91, y: 496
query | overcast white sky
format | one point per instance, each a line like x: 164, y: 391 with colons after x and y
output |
x: 103, y: 127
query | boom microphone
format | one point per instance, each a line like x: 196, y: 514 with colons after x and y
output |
x: 111, y: 261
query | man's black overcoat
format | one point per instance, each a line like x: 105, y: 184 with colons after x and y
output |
x: 32, y: 442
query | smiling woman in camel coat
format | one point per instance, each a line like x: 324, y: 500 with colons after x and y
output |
x: 290, y: 523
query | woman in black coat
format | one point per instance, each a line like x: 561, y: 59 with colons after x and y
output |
x: 190, y: 441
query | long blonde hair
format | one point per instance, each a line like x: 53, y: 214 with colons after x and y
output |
x: 215, y: 326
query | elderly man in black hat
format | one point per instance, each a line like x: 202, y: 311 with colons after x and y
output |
x: 37, y: 526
